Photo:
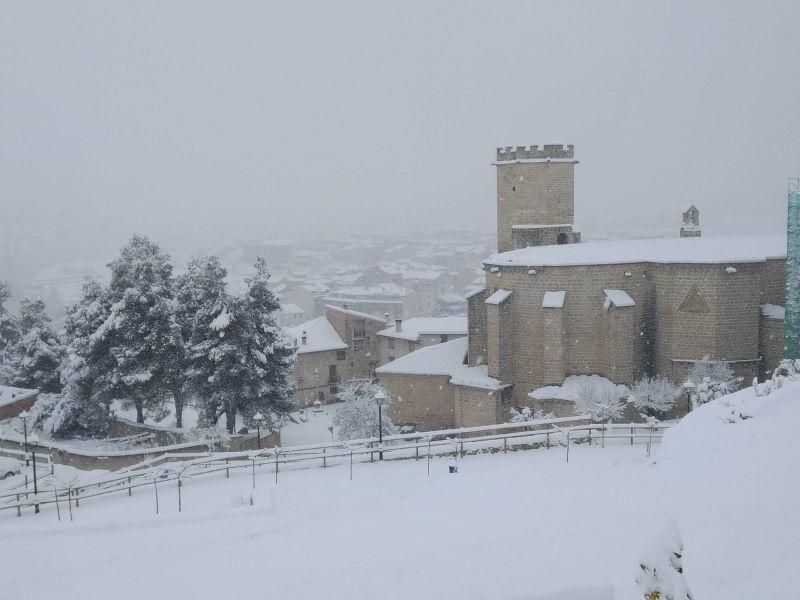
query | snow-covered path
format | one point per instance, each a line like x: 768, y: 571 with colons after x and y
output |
x: 503, y: 527
x: 525, y: 525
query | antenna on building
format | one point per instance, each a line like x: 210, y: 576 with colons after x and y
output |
x: 305, y: 338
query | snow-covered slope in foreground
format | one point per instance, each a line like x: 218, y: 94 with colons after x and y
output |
x: 524, y: 526
x: 730, y: 471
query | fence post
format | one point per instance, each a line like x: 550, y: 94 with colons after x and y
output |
x: 253, y: 462
x: 351, y: 465
x: 180, y: 505
x: 77, y: 500
x: 130, y: 491
x: 462, y: 448
x: 324, y: 459
x: 548, y: 440
x: 604, y: 435
x: 155, y: 488
x: 19, y: 513
x: 429, y: 457
x: 276, y: 467
x: 590, y: 434
x: 568, y: 433
x: 69, y: 502
x: 58, y: 508
x: 227, y: 470
x: 416, y: 450
x: 631, y: 436
x: 505, y: 445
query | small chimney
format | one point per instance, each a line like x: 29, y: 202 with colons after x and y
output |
x: 305, y: 338
x: 398, y: 325
x: 345, y: 306
x: 386, y: 317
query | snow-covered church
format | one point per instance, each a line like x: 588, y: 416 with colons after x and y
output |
x: 553, y: 306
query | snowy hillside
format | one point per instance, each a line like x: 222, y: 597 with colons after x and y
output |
x: 729, y: 470
x: 521, y: 525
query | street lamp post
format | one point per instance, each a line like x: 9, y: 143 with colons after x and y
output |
x: 24, y: 416
x: 380, y: 400
x: 258, y: 417
x: 35, y: 439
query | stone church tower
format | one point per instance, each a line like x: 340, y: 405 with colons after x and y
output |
x: 535, y: 196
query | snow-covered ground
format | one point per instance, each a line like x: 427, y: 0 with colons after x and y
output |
x: 311, y: 428
x: 522, y: 525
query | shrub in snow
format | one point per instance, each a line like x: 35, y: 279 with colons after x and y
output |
x: 788, y: 370
x: 661, y: 573
x: 521, y: 415
x: 357, y: 417
x: 654, y: 396
x: 35, y: 358
x: 602, y: 402
x: 711, y: 380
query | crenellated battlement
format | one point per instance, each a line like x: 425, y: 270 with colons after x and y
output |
x: 535, y: 152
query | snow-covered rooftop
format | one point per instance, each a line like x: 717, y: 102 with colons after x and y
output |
x: 411, y: 329
x: 291, y: 309
x: 354, y: 313
x: 498, y: 297
x: 440, y: 359
x: 553, y: 299
x: 444, y: 359
x: 703, y: 250
x: 476, y: 377
x: 9, y: 394
x: 773, y: 311
x: 618, y: 298
x: 320, y: 336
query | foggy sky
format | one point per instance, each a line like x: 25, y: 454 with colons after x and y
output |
x: 200, y: 123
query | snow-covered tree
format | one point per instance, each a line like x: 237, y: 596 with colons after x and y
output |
x: 787, y: 370
x: 141, y: 330
x: 83, y: 407
x: 602, y: 402
x: 520, y: 415
x: 711, y: 380
x: 35, y: 358
x: 654, y: 396
x: 357, y: 417
x: 241, y: 362
x: 9, y: 332
x: 199, y: 297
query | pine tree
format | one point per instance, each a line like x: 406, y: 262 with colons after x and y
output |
x: 36, y: 357
x: 199, y: 297
x: 9, y: 332
x: 241, y: 363
x: 83, y: 408
x: 141, y: 330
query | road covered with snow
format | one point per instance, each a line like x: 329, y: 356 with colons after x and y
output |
x: 521, y: 525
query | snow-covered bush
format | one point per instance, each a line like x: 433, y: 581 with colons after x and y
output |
x: 357, y: 418
x: 602, y: 402
x: 661, y: 573
x: 788, y: 370
x: 35, y: 358
x: 711, y: 380
x: 521, y: 415
x: 654, y: 396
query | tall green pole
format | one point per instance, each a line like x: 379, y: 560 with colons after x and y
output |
x: 791, y: 324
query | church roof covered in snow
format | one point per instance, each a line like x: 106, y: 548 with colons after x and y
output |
x: 320, y: 336
x: 446, y: 359
x: 703, y: 250
x: 411, y: 329
x: 440, y: 359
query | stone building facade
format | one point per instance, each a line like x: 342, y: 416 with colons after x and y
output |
x: 552, y: 307
x: 332, y: 349
x: 406, y: 336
